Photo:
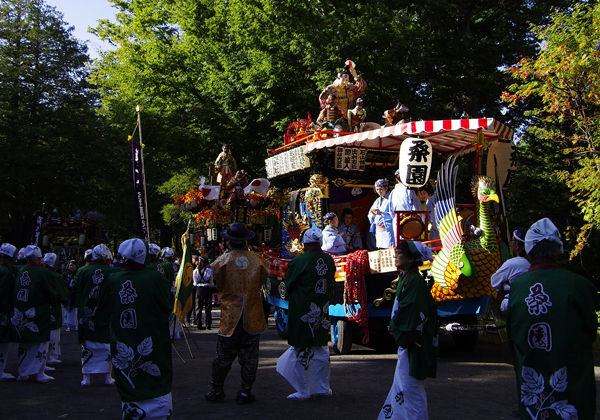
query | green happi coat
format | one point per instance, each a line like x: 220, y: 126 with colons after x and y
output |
x: 309, y: 284
x: 7, y: 282
x: 140, y: 345
x: 94, y: 322
x: 61, y: 293
x: 33, y: 294
x: 415, y: 322
x: 552, y: 321
x: 166, y: 269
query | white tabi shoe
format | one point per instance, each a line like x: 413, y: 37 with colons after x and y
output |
x: 53, y: 361
x: 86, y: 380
x: 5, y: 376
x: 297, y: 397
x: 49, y: 369
x: 108, y: 380
x: 42, y: 378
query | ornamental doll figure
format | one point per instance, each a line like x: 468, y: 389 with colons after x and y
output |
x: 235, y: 187
x: 356, y: 116
x: 226, y: 165
x: 332, y: 114
x: 346, y: 92
x: 395, y: 115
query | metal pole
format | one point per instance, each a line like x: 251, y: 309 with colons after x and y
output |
x: 138, y: 109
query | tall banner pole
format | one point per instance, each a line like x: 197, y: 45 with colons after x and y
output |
x: 139, y: 182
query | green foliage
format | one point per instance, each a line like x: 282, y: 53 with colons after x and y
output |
x: 208, y: 72
x: 55, y: 149
x: 564, y: 82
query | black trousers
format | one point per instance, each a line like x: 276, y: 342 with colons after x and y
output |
x: 204, y: 301
x: 191, y: 315
x: 242, y: 345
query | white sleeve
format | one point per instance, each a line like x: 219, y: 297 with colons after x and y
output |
x: 196, y: 277
x: 510, y: 270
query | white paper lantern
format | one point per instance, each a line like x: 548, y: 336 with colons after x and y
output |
x: 267, y: 235
x: 81, y: 240
x: 45, y: 240
x: 415, y: 162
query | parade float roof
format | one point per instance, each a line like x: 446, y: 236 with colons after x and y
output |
x: 446, y: 136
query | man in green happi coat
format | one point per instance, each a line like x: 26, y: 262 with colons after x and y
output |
x: 33, y: 295
x: 8, y: 255
x: 94, y: 321
x: 552, y: 322
x: 140, y: 303
x: 53, y: 357
x: 414, y: 327
x: 309, y: 283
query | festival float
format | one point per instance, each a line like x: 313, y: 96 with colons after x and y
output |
x: 68, y: 236
x: 332, y: 163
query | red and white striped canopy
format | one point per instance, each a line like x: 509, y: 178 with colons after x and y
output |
x: 446, y: 136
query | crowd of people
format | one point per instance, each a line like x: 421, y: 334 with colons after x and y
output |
x: 342, y: 236
x: 120, y: 311
x: 125, y: 325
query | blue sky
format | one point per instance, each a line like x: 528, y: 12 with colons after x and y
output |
x: 82, y: 14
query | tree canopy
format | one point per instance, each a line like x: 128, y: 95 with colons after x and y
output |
x: 56, y: 151
x: 208, y: 72
x: 561, y: 86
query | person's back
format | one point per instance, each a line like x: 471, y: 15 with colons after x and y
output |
x: 560, y: 325
x: 139, y: 303
x: 93, y: 322
x: 32, y: 297
x: 552, y: 322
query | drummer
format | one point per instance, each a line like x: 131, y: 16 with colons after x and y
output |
x: 403, y: 199
x: 381, y: 216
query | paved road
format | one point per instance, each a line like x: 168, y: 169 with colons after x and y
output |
x: 477, y: 385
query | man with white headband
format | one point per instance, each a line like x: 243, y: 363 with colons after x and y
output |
x: 513, y: 267
x: 414, y: 327
x: 309, y: 283
x: 94, y: 321
x: 49, y: 261
x: 552, y: 322
x: 8, y: 255
x: 140, y: 303
x: 33, y: 295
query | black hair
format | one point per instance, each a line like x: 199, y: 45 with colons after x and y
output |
x: 545, y: 249
x: 347, y: 211
x: 427, y: 188
x: 521, y: 233
x: 405, y: 249
x: 237, y: 244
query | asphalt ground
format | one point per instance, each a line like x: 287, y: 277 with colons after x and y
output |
x: 470, y: 385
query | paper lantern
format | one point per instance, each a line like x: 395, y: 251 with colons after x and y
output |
x: 45, y: 240
x: 267, y: 235
x: 81, y: 240
x: 415, y: 162
x: 502, y: 159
